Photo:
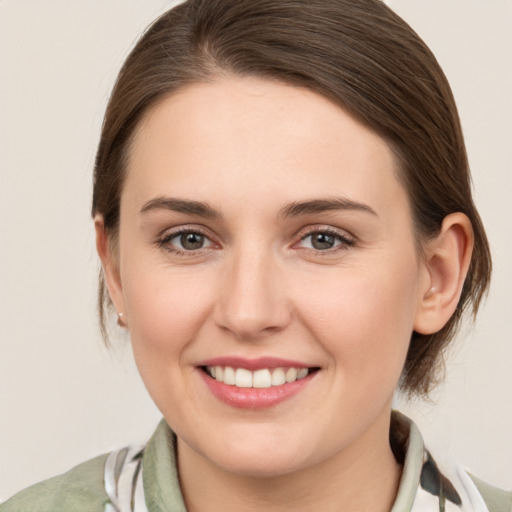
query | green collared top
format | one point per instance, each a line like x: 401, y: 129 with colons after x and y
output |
x: 146, y: 480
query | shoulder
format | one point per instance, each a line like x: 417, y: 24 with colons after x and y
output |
x: 496, y: 499
x: 440, y: 478
x: 81, y: 489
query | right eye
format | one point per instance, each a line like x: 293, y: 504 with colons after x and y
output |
x: 185, y: 241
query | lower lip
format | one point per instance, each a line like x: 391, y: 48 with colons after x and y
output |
x: 255, y: 398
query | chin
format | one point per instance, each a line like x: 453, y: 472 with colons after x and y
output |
x: 260, y: 455
x: 261, y: 466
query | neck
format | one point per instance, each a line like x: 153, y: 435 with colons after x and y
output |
x: 363, y: 477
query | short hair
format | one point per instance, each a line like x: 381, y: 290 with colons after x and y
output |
x: 357, y: 53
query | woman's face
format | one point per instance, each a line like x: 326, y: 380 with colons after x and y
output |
x: 263, y: 229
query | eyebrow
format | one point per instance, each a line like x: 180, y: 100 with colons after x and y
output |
x: 186, y: 206
x: 295, y: 209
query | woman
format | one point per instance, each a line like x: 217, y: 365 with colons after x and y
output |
x: 284, y: 217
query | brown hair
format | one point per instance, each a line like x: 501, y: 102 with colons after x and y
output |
x: 357, y: 53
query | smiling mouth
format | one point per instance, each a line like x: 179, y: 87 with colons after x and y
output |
x: 262, y: 378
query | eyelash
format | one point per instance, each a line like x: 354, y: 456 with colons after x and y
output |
x: 345, y: 241
x: 165, y: 244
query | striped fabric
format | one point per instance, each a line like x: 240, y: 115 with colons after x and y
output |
x: 427, y: 485
x: 123, y: 481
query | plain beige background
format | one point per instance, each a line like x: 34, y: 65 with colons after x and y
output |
x: 63, y: 397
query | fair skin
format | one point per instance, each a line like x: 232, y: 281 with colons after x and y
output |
x: 302, y: 252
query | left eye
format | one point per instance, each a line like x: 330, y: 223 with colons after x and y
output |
x: 323, y: 241
x: 187, y: 241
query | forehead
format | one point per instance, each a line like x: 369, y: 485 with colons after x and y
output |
x: 245, y: 137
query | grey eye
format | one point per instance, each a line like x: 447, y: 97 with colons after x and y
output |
x: 325, y: 241
x: 322, y: 241
x: 185, y: 241
x: 191, y: 241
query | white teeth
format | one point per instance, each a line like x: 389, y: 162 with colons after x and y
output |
x: 243, y: 378
x: 278, y: 377
x: 229, y: 376
x: 302, y: 373
x: 291, y: 374
x: 263, y: 378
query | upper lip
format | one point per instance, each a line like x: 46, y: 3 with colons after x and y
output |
x: 254, y: 364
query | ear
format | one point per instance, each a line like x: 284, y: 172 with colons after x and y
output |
x: 447, y: 260
x: 110, y: 266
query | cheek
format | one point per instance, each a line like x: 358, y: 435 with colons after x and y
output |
x: 165, y: 309
x: 165, y: 315
x: 364, y: 318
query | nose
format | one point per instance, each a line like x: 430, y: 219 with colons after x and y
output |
x: 252, y: 303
